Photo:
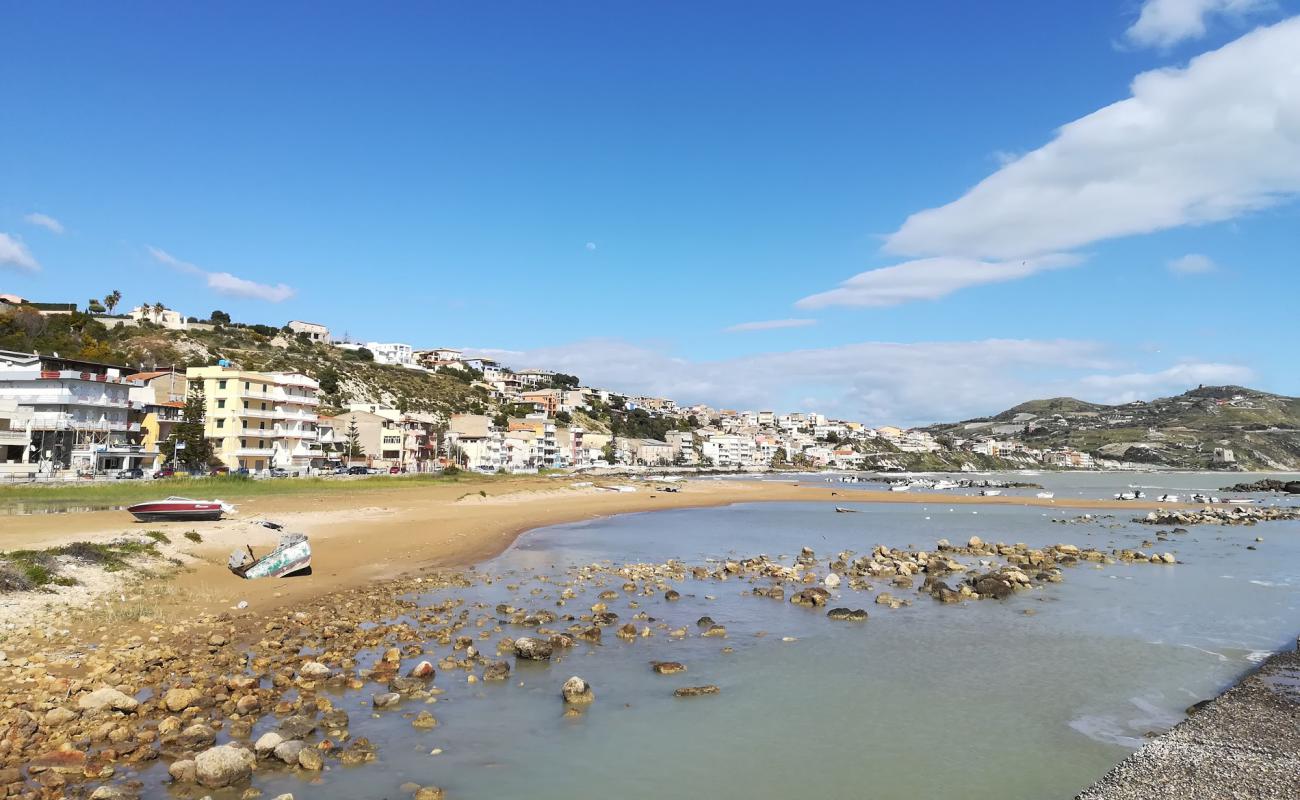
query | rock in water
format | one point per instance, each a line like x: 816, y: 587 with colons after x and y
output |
x: 667, y: 667
x: 813, y: 598
x: 696, y: 691
x: 577, y: 691
x: 496, y: 671
x: 831, y: 581
x: 530, y: 649
x: 313, y: 670
x: 424, y: 721
x: 221, y: 766
x: 423, y: 670
x: 849, y: 615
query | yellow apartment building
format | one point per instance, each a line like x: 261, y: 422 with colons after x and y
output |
x: 260, y: 420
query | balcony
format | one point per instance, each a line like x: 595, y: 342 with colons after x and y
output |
x: 13, y: 437
x: 256, y: 413
x: 255, y: 451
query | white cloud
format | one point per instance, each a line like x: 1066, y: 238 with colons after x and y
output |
x: 929, y: 279
x: 591, y: 245
x: 14, y: 254
x: 1192, y: 264
x: 224, y: 282
x: 1130, y: 386
x: 769, y: 325
x: 45, y: 221
x: 1208, y: 142
x: 879, y: 382
x: 1163, y: 23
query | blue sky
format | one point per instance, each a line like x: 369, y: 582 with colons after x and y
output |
x: 608, y: 188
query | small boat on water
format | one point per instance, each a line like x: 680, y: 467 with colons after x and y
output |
x: 1136, y: 494
x: 900, y: 487
x: 945, y: 485
x: 291, y: 557
x: 990, y: 492
x: 180, y: 508
x: 1045, y: 495
x: 1168, y: 498
x: 843, y: 510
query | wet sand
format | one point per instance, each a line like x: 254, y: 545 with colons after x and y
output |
x: 365, y: 536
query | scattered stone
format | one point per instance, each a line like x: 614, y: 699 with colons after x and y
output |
x: 107, y: 698
x: 530, y: 649
x: 424, y: 721
x: 667, y: 667
x: 221, y: 766
x: 848, y: 615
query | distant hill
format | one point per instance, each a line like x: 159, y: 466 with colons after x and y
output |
x: 1261, y: 429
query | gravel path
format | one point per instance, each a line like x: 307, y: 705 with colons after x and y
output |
x: 1243, y: 744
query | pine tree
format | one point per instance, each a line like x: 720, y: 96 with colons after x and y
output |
x: 197, y: 450
x: 354, y: 449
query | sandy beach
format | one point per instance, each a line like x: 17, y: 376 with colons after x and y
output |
x: 362, y: 537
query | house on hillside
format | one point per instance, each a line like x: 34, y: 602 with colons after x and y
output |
x: 314, y: 331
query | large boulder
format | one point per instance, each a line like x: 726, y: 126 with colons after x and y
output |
x: 177, y: 700
x: 528, y: 648
x: 223, y: 765
x: 814, y: 597
x: 107, y: 699
x: 577, y: 691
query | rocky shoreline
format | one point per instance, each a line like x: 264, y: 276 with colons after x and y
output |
x: 229, y: 698
x: 1243, y: 744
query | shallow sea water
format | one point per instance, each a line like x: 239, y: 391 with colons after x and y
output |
x: 978, y: 699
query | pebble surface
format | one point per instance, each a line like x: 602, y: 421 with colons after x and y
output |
x: 1243, y: 744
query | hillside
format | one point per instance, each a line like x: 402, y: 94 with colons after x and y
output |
x: 1262, y: 429
x: 344, y: 377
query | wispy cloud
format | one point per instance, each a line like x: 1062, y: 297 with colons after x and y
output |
x: 590, y: 246
x: 1192, y: 264
x: 769, y: 325
x: 1163, y: 23
x: 929, y: 279
x: 224, y: 282
x: 883, y: 382
x: 15, y: 255
x: 44, y: 221
x: 1208, y: 142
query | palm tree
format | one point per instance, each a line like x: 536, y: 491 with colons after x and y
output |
x: 110, y: 302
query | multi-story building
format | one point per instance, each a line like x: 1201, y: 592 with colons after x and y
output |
x: 474, y: 443
x: 572, y: 451
x: 729, y: 450
x: 260, y: 420
x: 683, y: 447
x: 391, y: 352
x: 534, y: 443
x: 80, y: 412
x: 161, y: 396
x: 547, y: 401
x: 15, y: 438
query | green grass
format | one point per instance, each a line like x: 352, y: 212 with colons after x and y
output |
x: 194, y: 536
x: 159, y: 537
x: 28, y: 570
x: 227, y: 487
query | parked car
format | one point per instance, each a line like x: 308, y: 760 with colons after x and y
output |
x: 165, y: 472
x: 341, y: 470
x: 396, y: 470
x: 131, y: 473
x: 279, y: 472
x: 358, y: 470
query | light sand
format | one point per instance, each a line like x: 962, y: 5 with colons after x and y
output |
x: 365, y: 536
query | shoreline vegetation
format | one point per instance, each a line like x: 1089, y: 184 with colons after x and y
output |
x: 374, y: 541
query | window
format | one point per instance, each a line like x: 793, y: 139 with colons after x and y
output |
x: 221, y: 403
x: 221, y: 384
x: 221, y: 423
x: 243, y: 443
x: 247, y: 385
x: 261, y: 425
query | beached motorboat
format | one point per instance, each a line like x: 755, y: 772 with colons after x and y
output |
x: 1137, y: 494
x: 843, y: 510
x: 180, y: 508
x: 990, y: 492
x: 900, y: 487
x: 1045, y: 495
x: 941, y: 485
x: 291, y: 557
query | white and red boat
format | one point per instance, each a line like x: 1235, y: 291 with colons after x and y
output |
x: 180, y: 508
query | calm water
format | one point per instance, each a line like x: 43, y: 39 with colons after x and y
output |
x: 923, y: 701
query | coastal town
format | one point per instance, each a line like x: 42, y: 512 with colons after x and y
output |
x: 68, y: 417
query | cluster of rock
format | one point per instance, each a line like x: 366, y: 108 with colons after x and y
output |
x: 1215, y: 515
x: 1265, y: 485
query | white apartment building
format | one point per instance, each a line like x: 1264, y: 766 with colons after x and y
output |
x: 475, y: 443
x: 729, y: 450
x: 166, y: 317
x: 391, y: 352
x: 79, y: 412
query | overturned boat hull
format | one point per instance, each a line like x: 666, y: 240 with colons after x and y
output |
x: 291, y: 557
